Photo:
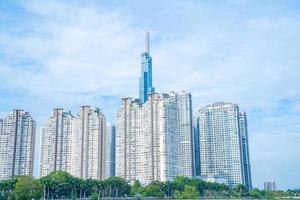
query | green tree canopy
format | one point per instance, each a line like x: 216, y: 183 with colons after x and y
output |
x: 152, y: 191
x: 189, y: 192
x: 135, y: 188
x: 27, y: 188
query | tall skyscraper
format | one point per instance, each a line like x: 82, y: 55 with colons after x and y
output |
x: 221, y: 151
x: 196, y: 143
x: 75, y: 144
x: 110, y: 146
x: 145, y: 86
x: 86, y: 155
x: 128, y: 119
x: 185, y: 132
x: 245, y: 149
x: 17, y: 137
x: 56, y: 131
x: 159, y: 147
x: 146, y: 139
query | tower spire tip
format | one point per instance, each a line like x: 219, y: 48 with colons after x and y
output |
x: 147, y: 42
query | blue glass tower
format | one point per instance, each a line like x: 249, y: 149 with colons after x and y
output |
x: 146, y: 73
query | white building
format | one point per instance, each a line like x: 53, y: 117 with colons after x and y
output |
x: 185, y: 133
x: 146, y: 139
x: 86, y: 154
x: 128, y: 124
x: 17, y: 137
x: 213, y: 178
x: 75, y: 144
x: 55, y: 134
x: 223, y: 142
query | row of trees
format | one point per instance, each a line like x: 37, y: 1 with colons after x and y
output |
x: 61, y: 185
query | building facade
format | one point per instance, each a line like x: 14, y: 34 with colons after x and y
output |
x: 86, y: 154
x: 185, y: 133
x: 213, y: 178
x: 196, y: 143
x: 221, y: 149
x: 75, y: 144
x: 245, y: 149
x: 146, y: 139
x: 110, y: 146
x: 145, y: 80
x: 55, y: 134
x: 17, y: 138
x: 128, y: 126
x: 270, y: 185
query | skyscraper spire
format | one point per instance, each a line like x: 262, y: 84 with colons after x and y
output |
x: 147, y: 42
x: 145, y: 86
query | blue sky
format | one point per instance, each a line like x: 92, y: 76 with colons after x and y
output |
x: 70, y: 53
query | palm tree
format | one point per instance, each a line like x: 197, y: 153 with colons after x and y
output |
x: 6, y: 187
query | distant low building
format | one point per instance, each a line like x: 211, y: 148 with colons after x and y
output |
x: 270, y: 185
x: 214, y: 178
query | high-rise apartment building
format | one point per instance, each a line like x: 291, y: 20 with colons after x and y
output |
x: 86, y: 156
x: 128, y: 119
x: 145, y: 85
x: 185, y: 133
x: 55, y: 134
x: 245, y: 149
x: 17, y: 138
x: 146, y: 139
x: 223, y: 133
x: 110, y: 146
x: 75, y: 143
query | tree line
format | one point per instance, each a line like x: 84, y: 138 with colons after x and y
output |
x: 62, y: 185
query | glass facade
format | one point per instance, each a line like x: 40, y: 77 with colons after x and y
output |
x: 245, y: 149
x: 110, y: 149
x: 146, y: 74
x: 196, y: 144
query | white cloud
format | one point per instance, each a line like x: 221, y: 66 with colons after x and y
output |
x: 89, y: 51
x: 73, y: 53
